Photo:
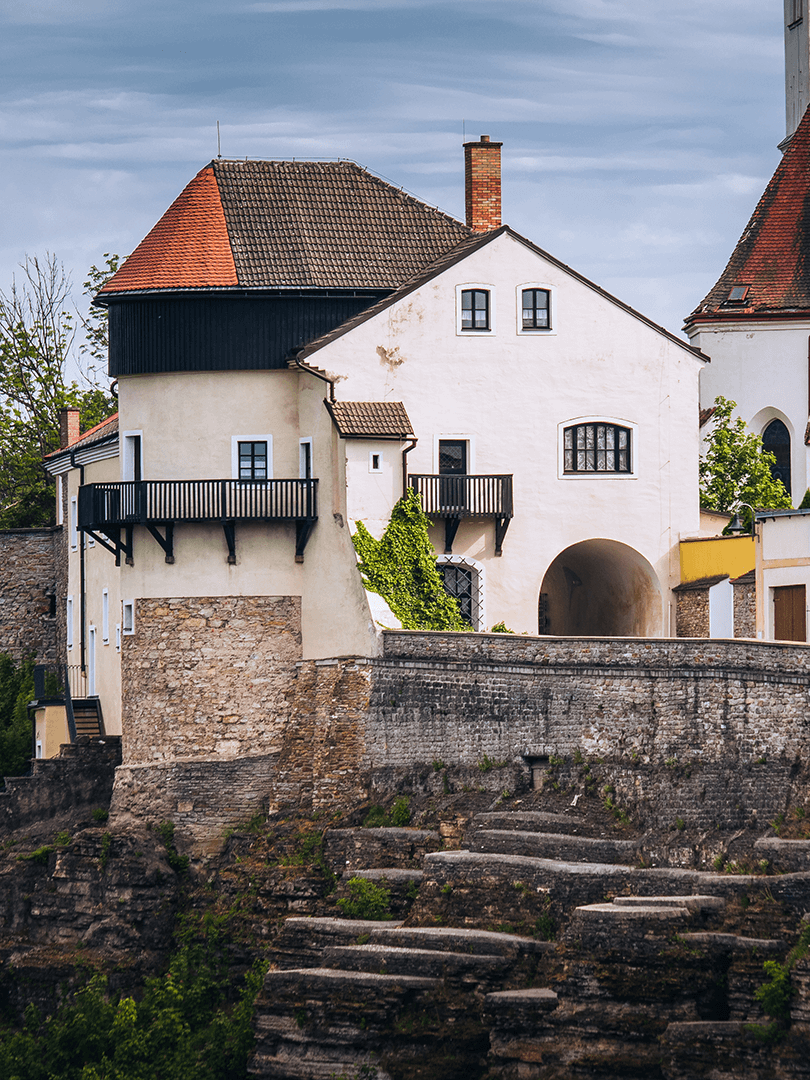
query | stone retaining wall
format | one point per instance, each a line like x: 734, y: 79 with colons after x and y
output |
x: 28, y: 580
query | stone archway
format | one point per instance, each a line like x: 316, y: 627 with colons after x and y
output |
x: 601, y: 588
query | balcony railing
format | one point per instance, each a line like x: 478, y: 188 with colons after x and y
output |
x: 109, y: 508
x: 454, y: 497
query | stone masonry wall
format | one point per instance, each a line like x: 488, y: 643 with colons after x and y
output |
x: 209, y: 677
x: 745, y: 609
x: 27, y: 582
x: 692, y: 613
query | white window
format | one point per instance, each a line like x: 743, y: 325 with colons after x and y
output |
x: 118, y: 637
x: 39, y: 748
x: 534, y: 301
x: 464, y: 580
x: 60, y: 510
x: 375, y: 461
x: 252, y: 457
x: 74, y: 524
x: 591, y: 447
x: 305, y: 459
x: 91, y: 661
x: 128, y: 617
x: 132, y: 455
x: 69, y: 622
x: 105, y: 616
x: 475, y: 310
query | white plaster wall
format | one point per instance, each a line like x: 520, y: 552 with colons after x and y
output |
x: 785, y: 537
x: 187, y: 422
x: 721, y: 610
x: 509, y: 391
x: 764, y: 368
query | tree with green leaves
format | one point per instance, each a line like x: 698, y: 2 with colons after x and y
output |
x: 735, y: 468
x: 401, y: 568
x: 38, y: 350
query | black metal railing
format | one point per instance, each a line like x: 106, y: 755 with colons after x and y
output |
x: 143, y: 502
x: 61, y: 682
x: 458, y: 496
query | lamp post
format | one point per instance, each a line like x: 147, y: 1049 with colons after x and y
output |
x: 736, y: 525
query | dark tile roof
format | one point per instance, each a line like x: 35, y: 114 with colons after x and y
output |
x: 773, y: 255
x: 749, y: 578
x: 288, y: 224
x: 371, y: 419
x: 701, y: 583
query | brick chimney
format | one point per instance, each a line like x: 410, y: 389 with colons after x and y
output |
x: 68, y: 427
x: 482, y: 184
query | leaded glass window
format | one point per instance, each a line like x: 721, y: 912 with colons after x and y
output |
x: 597, y: 448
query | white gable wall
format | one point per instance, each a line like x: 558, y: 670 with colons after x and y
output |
x: 510, y: 392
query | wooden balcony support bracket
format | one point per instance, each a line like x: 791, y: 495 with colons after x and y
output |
x: 501, y: 525
x: 167, y: 541
x: 111, y: 540
x: 229, y: 529
x: 303, y: 528
x: 451, y: 525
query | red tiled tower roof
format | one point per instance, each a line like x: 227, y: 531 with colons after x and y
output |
x: 288, y: 225
x: 772, y: 258
x: 187, y: 249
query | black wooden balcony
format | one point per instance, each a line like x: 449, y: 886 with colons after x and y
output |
x: 455, y: 496
x: 108, y: 512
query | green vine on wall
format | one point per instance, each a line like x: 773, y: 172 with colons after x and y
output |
x: 401, y: 568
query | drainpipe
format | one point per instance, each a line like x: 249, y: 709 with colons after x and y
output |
x: 406, y: 450
x: 318, y: 374
x: 82, y: 569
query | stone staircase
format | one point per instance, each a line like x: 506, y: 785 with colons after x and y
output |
x: 644, y: 978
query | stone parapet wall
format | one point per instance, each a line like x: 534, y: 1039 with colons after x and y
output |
x: 209, y: 677
x: 28, y: 580
x: 692, y: 613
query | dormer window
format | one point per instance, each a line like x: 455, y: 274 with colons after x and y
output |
x: 474, y: 309
x: 738, y: 294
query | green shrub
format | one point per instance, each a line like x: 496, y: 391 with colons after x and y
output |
x: 376, y: 818
x: 178, y: 863
x: 366, y: 900
x: 100, y: 815
x: 401, y: 812
x: 16, y: 690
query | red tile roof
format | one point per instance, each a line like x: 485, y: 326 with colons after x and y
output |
x: 288, y: 225
x: 187, y: 249
x: 773, y: 254
x: 98, y: 433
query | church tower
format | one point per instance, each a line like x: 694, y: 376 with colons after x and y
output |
x: 797, y: 64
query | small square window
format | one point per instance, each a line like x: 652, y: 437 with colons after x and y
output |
x: 375, y: 461
x: 536, y: 309
x: 474, y: 309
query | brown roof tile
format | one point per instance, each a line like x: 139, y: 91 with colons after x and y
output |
x: 94, y: 434
x: 288, y: 224
x: 773, y: 255
x: 371, y: 419
x: 187, y: 249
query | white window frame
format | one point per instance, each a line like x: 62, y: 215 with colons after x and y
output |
x: 600, y: 477
x: 74, y: 524
x: 118, y: 637
x: 127, y: 624
x: 479, y: 583
x: 69, y: 622
x: 236, y: 439
x: 127, y: 455
x: 60, y: 510
x: 539, y: 331
x: 372, y: 468
x: 470, y: 333
x: 105, y: 616
x: 455, y: 437
x: 91, y: 661
x: 302, y: 460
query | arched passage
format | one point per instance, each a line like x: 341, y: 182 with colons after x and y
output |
x: 601, y: 588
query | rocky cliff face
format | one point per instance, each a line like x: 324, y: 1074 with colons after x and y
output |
x: 535, y: 935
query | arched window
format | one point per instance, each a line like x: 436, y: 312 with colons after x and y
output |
x: 776, y: 439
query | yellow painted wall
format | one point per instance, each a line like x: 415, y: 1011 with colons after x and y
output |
x: 51, y: 728
x: 713, y: 555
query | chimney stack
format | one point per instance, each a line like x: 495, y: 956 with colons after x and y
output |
x: 482, y: 184
x: 68, y: 427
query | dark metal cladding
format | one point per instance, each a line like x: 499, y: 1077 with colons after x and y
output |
x: 152, y: 334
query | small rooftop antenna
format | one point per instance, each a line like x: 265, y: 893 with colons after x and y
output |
x: 219, y: 145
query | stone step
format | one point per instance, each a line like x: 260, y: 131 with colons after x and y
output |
x: 548, y: 845
x: 706, y: 1050
x: 527, y: 1003
x: 360, y: 849
x: 311, y: 981
x: 784, y: 855
x: 734, y: 943
x: 535, y: 821
x: 458, y: 939
x: 432, y: 963
x: 302, y: 940
x: 693, y: 902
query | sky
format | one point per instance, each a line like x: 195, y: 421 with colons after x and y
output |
x: 638, y: 134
